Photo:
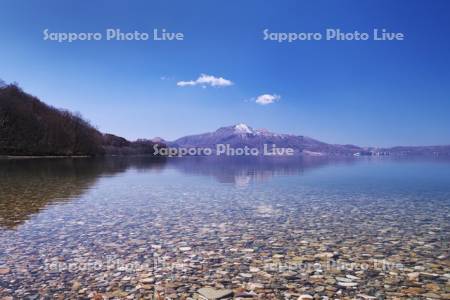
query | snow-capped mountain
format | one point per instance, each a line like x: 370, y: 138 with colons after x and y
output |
x: 242, y: 128
x: 241, y: 135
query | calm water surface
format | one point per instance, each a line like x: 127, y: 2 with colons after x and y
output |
x: 265, y: 229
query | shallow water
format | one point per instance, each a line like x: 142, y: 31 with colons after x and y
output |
x: 272, y: 229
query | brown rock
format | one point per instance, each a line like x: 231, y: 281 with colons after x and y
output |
x: 413, y: 276
x: 4, y: 271
x: 432, y: 287
x: 76, y: 286
x: 412, y: 291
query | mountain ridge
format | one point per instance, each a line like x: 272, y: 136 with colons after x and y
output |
x: 241, y: 135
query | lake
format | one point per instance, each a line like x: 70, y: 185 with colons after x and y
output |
x: 137, y: 228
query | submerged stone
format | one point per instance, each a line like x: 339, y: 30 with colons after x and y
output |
x: 212, y: 294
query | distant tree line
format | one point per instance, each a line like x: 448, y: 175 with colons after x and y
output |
x: 31, y: 127
x: 116, y: 145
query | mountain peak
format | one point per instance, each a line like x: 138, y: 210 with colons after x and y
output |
x: 158, y: 140
x: 242, y: 128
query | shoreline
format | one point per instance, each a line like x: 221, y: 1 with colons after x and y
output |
x: 6, y: 157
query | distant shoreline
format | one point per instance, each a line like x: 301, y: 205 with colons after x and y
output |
x: 4, y: 157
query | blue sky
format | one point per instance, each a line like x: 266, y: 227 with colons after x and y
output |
x: 369, y: 93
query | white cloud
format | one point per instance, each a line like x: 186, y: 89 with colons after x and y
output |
x: 266, y: 99
x: 205, y: 80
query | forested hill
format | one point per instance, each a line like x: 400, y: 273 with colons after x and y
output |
x: 29, y: 127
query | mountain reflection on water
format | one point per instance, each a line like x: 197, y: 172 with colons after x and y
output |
x: 241, y: 171
x: 30, y: 185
